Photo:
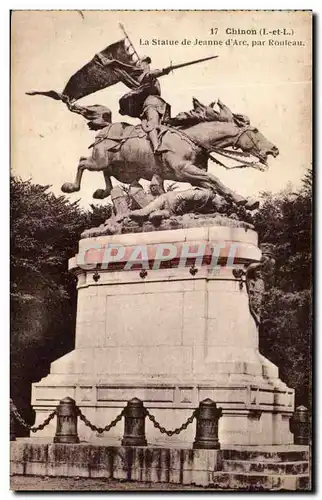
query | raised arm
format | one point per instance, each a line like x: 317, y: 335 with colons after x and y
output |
x: 156, y: 73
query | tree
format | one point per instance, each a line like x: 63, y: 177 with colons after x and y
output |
x: 285, y: 219
x: 45, y: 230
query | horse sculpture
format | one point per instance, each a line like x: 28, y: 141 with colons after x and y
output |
x: 124, y: 152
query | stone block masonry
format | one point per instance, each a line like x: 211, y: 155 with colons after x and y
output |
x: 171, y: 338
x: 257, y: 468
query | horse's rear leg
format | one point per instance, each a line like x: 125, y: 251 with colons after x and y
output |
x: 84, y: 164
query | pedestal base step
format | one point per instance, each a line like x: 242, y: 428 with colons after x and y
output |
x: 270, y: 454
x: 208, y: 468
x: 264, y: 469
x: 260, y: 482
x: 245, y: 466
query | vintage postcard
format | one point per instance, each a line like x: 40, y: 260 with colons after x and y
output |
x: 161, y: 281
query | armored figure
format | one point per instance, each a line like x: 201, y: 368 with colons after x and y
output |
x: 260, y: 278
x: 145, y: 101
x: 179, y: 203
x: 184, y: 152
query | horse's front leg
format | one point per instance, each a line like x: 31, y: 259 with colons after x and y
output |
x: 198, y: 177
x: 100, y: 194
x: 84, y: 164
x: 230, y: 195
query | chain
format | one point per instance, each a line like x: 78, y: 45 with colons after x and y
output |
x: 108, y: 427
x: 24, y: 424
x: 163, y: 430
x: 100, y: 430
x: 45, y: 422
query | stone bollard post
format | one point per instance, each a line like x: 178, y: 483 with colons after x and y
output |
x: 66, y: 430
x: 134, y: 424
x: 207, y: 426
x: 12, y: 422
x: 300, y: 425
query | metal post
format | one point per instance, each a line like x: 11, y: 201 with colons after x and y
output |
x: 300, y: 425
x: 12, y: 422
x: 134, y: 424
x: 207, y: 426
x: 66, y: 430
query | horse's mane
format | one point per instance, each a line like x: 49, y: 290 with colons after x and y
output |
x: 202, y: 114
x: 183, y: 120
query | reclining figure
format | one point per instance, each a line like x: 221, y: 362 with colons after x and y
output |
x: 178, y: 203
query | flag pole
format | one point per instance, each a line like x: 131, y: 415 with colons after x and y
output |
x: 128, y: 39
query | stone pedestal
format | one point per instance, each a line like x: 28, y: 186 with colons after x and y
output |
x: 171, y: 336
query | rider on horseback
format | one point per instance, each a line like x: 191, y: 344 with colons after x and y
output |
x: 145, y: 102
x: 185, y: 152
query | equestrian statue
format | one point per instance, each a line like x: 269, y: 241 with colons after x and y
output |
x: 161, y: 147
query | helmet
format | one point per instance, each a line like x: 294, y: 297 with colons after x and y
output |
x: 146, y: 59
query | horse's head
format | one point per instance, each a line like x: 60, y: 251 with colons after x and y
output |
x: 251, y: 141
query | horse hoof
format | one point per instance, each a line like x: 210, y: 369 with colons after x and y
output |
x: 252, y: 204
x: 100, y: 194
x: 239, y: 201
x: 69, y: 187
x: 137, y: 215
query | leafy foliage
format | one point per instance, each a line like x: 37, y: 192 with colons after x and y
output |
x: 285, y: 219
x: 44, y: 234
x: 45, y: 230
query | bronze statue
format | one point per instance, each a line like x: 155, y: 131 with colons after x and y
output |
x: 179, y: 154
x: 145, y: 101
x: 178, y: 203
x: 259, y: 278
x: 125, y: 154
x: 202, y: 113
x: 97, y: 116
x: 134, y: 209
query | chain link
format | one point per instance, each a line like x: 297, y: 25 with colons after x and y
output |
x: 100, y: 430
x: 108, y: 427
x: 24, y: 424
x: 45, y: 422
x: 163, y: 430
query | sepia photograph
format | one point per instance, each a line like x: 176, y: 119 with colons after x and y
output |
x: 161, y: 206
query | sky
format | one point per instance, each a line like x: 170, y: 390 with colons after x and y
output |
x: 269, y: 83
